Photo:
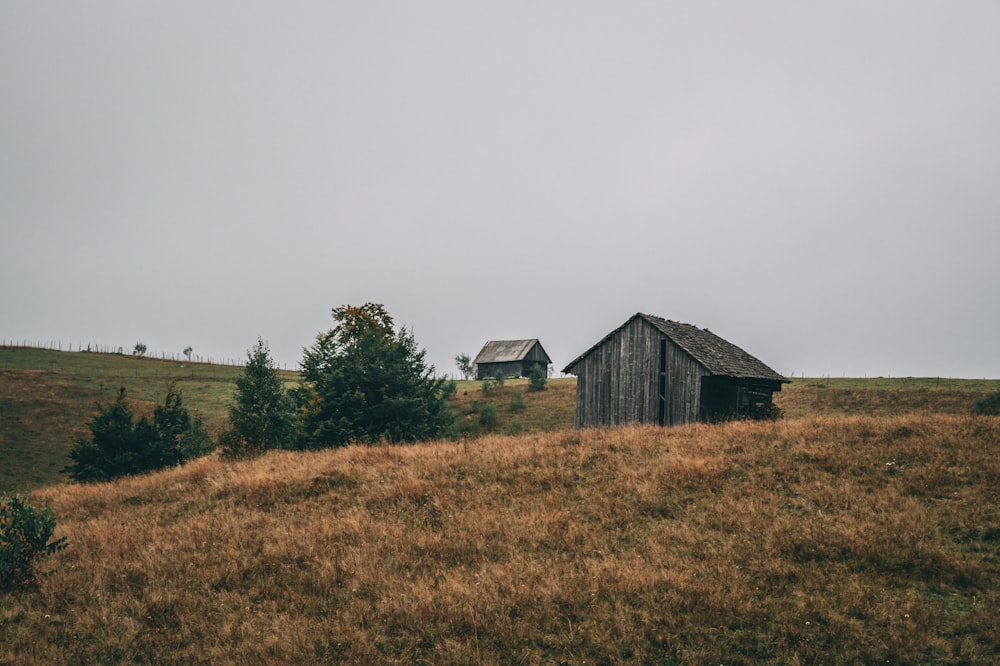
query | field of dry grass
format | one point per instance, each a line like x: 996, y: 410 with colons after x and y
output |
x: 816, y: 539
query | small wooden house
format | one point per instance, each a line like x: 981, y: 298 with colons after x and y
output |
x: 513, y: 358
x: 652, y: 370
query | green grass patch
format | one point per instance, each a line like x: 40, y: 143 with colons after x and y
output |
x: 47, y: 397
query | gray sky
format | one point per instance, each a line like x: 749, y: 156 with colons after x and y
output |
x: 817, y: 182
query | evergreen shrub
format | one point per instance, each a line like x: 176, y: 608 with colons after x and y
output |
x: 537, y: 378
x: 488, y: 415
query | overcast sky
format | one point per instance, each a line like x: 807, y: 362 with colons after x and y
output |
x: 816, y: 182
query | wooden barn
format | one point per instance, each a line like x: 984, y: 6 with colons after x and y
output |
x: 514, y: 358
x: 652, y: 370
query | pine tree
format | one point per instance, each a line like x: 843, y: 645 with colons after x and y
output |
x: 262, y: 415
x: 365, y: 382
x: 119, y: 446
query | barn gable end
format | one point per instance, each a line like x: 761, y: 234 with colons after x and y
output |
x: 652, y: 370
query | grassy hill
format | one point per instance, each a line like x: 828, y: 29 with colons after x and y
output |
x: 815, y: 539
x: 47, y: 397
x: 864, y: 527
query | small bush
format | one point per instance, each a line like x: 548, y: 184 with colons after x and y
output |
x: 517, y: 401
x: 537, y: 378
x: 988, y: 405
x: 488, y: 415
x: 24, y: 539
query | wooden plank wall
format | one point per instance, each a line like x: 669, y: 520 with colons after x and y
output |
x: 617, y: 383
x: 536, y: 354
x: 683, y: 386
x: 508, y: 368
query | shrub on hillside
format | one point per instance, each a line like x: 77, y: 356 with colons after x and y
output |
x: 517, y: 401
x: 537, y: 378
x: 988, y: 405
x: 488, y: 415
x: 119, y: 446
x: 25, y: 531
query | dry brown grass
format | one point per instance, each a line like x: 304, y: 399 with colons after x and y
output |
x: 821, y: 539
x: 812, y: 397
x: 552, y: 408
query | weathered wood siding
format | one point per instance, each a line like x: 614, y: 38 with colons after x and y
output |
x: 683, y: 386
x: 619, y: 381
x: 510, y: 369
x: 537, y: 355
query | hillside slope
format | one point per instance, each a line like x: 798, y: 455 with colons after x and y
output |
x: 818, y: 539
x: 47, y: 397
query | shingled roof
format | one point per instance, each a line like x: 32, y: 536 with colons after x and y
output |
x: 505, y: 351
x: 718, y: 356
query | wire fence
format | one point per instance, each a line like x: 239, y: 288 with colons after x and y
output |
x: 94, y: 348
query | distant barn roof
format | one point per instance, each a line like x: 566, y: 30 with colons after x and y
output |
x: 718, y: 356
x: 506, y: 351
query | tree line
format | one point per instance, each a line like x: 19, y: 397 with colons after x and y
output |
x: 363, y: 381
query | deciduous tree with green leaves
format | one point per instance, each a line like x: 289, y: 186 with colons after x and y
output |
x: 464, y: 363
x: 25, y: 531
x: 365, y: 382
